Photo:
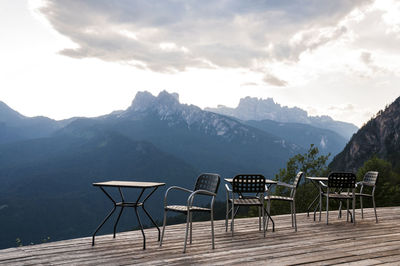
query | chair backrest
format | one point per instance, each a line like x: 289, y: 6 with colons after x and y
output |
x: 370, y: 178
x: 209, y: 182
x: 245, y: 183
x: 341, y: 180
x: 296, y: 183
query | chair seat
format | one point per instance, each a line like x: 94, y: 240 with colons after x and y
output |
x: 358, y: 194
x: 247, y: 201
x: 184, y: 208
x: 274, y: 197
x: 338, y: 196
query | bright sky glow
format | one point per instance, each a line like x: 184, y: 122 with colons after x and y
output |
x: 342, y: 61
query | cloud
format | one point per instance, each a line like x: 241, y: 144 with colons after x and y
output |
x: 366, y: 58
x: 274, y: 81
x: 173, y: 35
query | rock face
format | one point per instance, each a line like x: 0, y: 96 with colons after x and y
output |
x: 380, y: 136
x: 259, y: 109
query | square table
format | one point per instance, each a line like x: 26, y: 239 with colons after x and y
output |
x: 315, y: 181
x: 122, y: 204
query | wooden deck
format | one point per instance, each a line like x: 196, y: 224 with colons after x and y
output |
x: 316, y: 243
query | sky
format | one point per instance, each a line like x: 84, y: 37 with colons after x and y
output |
x: 65, y: 58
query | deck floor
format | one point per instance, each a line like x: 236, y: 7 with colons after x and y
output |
x: 316, y: 243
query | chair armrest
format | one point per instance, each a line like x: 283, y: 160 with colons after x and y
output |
x: 228, y: 188
x: 175, y: 188
x: 201, y: 192
x: 284, y: 184
x: 322, y: 184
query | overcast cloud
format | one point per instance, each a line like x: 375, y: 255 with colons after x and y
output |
x: 173, y: 35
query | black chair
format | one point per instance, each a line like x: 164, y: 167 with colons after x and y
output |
x: 291, y: 198
x: 370, y: 179
x: 206, y: 184
x: 338, y: 181
x: 247, y: 183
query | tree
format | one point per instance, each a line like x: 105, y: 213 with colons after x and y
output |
x: 388, y: 185
x: 311, y: 164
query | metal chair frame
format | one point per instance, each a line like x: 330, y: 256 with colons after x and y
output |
x: 242, y: 184
x: 291, y: 198
x: 340, y: 180
x: 370, y: 179
x: 206, y: 184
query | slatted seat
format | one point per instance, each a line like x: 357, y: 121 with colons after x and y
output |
x: 275, y: 197
x: 342, y: 195
x: 206, y: 184
x: 183, y: 208
x: 247, y: 202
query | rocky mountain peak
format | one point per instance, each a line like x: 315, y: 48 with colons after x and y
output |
x: 145, y: 101
x: 380, y: 136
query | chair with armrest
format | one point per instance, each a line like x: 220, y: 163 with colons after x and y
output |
x: 370, y: 179
x: 206, y: 184
x: 291, y: 198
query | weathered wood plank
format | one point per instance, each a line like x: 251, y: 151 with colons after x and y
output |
x: 315, y: 243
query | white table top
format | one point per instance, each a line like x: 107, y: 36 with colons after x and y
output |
x: 133, y: 184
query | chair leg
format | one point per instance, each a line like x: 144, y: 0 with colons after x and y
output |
x: 259, y: 218
x: 191, y: 226
x: 187, y: 230
x: 163, y: 229
x: 291, y: 213
x: 373, y: 202
x: 294, y: 215
x: 263, y: 218
x: 233, y: 218
x: 212, y: 228
x: 320, y: 203
x: 327, y: 209
x: 354, y: 211
x: 347, y: 217
x: 361, y: 205
x: 227, y: 216
x: 340, y: 210
x: 268, y: 209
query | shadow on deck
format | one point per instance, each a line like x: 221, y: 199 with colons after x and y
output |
x: 366, y: 243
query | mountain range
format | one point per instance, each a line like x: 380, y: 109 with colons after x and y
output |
x: 47, y: 166
x: 250, y: 108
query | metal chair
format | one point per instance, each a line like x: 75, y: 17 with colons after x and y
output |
x: 291, y: 198
x: 242, y: 184
x: 339, y: 181
x: 370, y: 179
x: 206, y: 184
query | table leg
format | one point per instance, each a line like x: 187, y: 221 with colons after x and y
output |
x: 141, y: 228
x: 138, y: 217
x: 107, y: 217
x: 148, y: 215
x: 116, y: 223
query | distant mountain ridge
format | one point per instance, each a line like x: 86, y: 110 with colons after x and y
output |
x: 250, y: 108
x: 15, y: 127
x: 380, y: 137
x: 327, y: 141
